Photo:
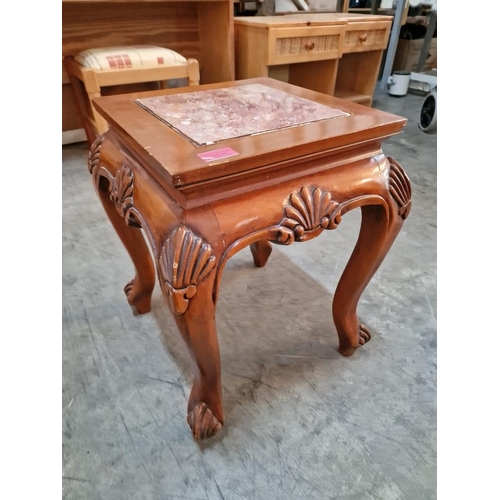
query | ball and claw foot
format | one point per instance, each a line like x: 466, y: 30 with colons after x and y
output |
x: 364, y: 337
x: 203, y: 422
x: 138, y: 299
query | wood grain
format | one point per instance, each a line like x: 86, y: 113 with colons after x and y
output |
x: 337, y: 167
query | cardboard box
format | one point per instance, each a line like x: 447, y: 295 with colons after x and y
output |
x: 408, y: 55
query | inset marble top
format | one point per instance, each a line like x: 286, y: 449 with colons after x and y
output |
x: 211, y: 116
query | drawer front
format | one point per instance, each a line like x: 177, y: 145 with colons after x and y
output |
x: 294, y: 45
x: 362, y: 37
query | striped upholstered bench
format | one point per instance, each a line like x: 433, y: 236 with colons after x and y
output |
x: 118, y: 69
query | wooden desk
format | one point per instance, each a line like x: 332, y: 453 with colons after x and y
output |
x: 337, y: 54
x: 290, y: 164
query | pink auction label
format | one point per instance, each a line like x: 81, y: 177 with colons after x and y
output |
x: 217, y: 154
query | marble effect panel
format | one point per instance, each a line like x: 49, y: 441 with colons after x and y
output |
x: 211, y: 116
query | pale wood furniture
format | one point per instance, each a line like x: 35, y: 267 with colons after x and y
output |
x: 280, y: 186
x: 298, y: 49
x: 336, y: 53
x: 197, y: 29
x: 88, y: 83
x: 366, y: 38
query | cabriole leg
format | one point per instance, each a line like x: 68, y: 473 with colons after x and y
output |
x: 139, y: 289
x: 261, y: 250
x: 379, y: 227
x: 186, y: 267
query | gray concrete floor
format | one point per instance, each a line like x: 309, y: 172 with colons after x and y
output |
x: 302, y: 422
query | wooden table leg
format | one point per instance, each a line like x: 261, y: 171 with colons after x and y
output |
x: 261, y: 250
x: 186, y: 271
x: 112, y: 191
x: 205, y: 413
x: 380, y: 225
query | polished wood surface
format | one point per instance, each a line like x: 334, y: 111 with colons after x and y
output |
x: 283, y: 187
x: 174, y: 162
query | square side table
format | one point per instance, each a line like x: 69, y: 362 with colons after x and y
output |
x: 203, y: 172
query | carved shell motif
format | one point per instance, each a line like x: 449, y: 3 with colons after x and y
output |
x: 94, y: 152
x: 121, y: 188
x: 311, y: 210
x: 184, y: 261
x: 400, y: 188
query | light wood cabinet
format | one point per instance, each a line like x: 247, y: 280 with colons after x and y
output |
x: 336, y: 53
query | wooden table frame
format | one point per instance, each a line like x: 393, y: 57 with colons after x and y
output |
x: 197, y: 216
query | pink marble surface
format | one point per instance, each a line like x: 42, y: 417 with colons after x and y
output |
x: 211, y: 116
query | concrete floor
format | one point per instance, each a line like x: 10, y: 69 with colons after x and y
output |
x: 302, y: 422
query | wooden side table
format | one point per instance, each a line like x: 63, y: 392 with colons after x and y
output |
x: 336, y: 53
x: 207, y: 171
x: 366, y: 38
x: 301, y: 50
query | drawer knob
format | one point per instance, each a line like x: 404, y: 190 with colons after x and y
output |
x: 310, y: 45
x: 363, y: 37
